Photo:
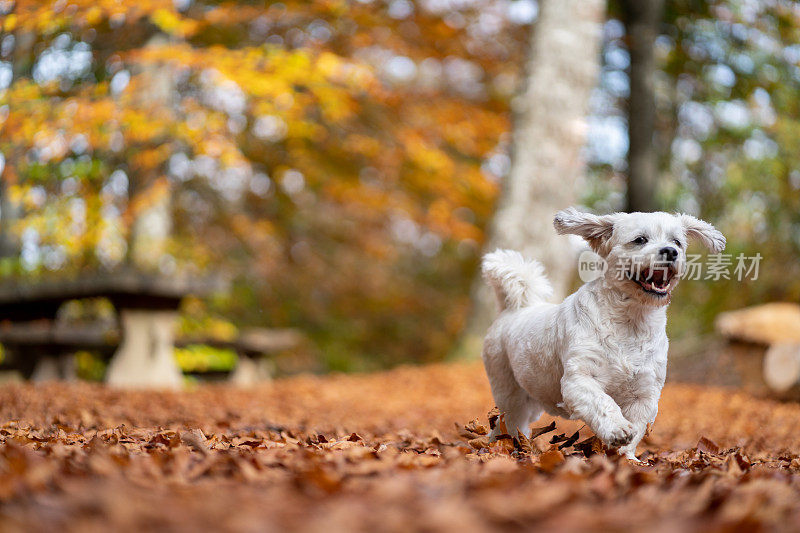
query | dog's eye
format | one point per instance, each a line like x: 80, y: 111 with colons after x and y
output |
x: 679, y: 243
x: 641, y: 239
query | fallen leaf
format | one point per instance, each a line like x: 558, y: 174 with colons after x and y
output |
x: 707, y: 446
x: 196, y: 440
x: 542, y: 430
x: 570, y: 441
x: 590, y: 446
x: 493, y: 415
x: 480, y: 442
x: 549, y: 460
x: 500, y: 426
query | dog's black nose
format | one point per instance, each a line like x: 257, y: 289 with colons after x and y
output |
x: 668, y: 253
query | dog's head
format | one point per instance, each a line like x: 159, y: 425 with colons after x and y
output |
x: 645, y: 252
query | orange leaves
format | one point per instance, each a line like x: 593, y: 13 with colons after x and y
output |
x: 35, y: 116
x: 154, y: 193
x: 365, y: 451
x: 142, y: 126
x: 363, y: 145
x: 707, y: 446
x: 145, y: 161
x: 549, y: 460
x: 94, y: 15
x: 32, y: 15
x: 432, y: 161
x: 222, y: 99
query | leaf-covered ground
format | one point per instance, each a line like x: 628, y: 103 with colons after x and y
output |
x: 396, y: 451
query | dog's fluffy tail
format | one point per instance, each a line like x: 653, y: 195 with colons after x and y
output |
x: 517, y: 282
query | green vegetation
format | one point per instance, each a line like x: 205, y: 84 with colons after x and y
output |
x: 202, y: 358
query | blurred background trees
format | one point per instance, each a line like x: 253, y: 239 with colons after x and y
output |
x: 549, y: 132
x: 340, y: 161
x: 642, y: 20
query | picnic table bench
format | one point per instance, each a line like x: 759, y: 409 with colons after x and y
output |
x: 764, y: 342
x: 147, y: 308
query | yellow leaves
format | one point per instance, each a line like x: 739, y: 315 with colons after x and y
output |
x: 17, y: 194
x: 294, y: 84
x: 478, y: 186
x: 330, y: 65
x: 462, y: 134
x: 172, y: 23
x: 10, y: 22
x: 368, y: 152
x: 47, y: 17
x: 440, y: 218
x: 93, y: 16
x: 335, y: 104
x: 439, y: 213
x: 148, y: 160
x: 294, y: 62
x: 157, y: 191
x: 351, y: 192
x: 364, y: 145
x: 38, y: 119
x: 22, y: 91
x: 427, y: 156
x: 141, y: 125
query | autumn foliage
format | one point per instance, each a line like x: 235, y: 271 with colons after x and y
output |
x: 398, y: 451
x: 340, y: 160
x: 334, y: 145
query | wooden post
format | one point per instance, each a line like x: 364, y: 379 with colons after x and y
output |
x: 145, y: 356
x: 782, y: 366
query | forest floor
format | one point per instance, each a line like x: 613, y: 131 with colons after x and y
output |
x: 395, y: 451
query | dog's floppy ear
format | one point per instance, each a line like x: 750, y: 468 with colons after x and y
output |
x: 707, y: 234
x: 595, y: 229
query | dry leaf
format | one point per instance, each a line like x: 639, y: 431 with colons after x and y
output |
x: 542, y: 430
x: 500, y: 426
x: 707, y: 446
x: 196, y: 440
x: 549, y: 460
x: 339, y: 461
x: 493, y: 415
x: 480, y: 442
x: 570, y: 441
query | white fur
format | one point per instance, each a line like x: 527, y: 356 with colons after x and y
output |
x: 517, y: 282
x: 601, y: 354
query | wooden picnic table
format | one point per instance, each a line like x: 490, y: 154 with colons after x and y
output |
x: 764, y: 342
x: 146, y: 304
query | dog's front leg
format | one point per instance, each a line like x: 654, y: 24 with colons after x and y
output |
x: 640, y: 412
x: 585, y: 398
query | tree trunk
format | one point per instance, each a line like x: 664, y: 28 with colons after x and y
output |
x: 550, y: 130
x: 7, y: 248
x: 21, y: 65
x: 641, y: 18
x: 152, y: 224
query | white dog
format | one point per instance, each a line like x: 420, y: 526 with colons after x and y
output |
x: 601, y: 354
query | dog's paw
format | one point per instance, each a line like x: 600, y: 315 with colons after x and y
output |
x: 629, y: 452
x: 630, y: 456
x: 619, y: 435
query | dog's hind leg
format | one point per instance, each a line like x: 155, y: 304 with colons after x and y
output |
x: 516, y: 405
x: 519, y: 411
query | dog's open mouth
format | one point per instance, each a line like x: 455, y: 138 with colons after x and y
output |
x: 654, y: 280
